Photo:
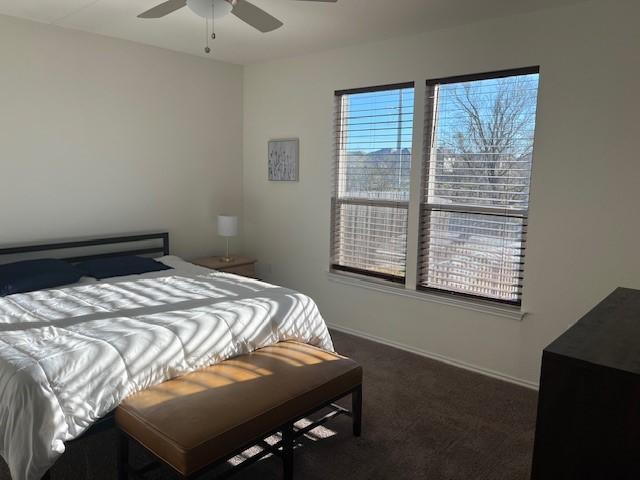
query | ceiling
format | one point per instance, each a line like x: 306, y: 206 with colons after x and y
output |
x: 308, y: 26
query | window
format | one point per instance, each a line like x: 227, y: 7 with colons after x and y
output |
x: 370, y: 202
x: 470, y: 216
x: 476, y: 175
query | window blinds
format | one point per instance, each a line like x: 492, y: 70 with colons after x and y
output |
x: 477, y: 169
x: 373, y: 135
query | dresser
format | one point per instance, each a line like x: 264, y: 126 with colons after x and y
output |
x: 588, y: 425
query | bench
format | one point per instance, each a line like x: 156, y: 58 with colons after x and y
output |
x: 201, y: 420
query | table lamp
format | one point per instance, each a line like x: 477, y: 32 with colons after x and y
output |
x: 227, y: 227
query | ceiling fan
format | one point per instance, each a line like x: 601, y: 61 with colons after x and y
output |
x: 214, y: 9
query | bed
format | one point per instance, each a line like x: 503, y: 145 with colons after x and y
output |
x: 70, y: 355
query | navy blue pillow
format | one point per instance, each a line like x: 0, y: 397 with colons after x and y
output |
x: 31, y: 275
x: 120, y: 266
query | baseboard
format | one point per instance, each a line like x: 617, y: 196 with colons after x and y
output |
x: 437, y: 357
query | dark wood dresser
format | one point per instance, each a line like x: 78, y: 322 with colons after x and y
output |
x: 588, y: 423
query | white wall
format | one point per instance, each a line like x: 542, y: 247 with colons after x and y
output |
x: 584, y: 227
x: 104, y: 136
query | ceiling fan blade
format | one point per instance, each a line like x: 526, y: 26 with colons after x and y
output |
x: 163, y: 9
x: 255, y: 16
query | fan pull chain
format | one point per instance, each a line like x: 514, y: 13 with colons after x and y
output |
x: 207, y: 49
x: 213, y: 18
x: 206, y: 35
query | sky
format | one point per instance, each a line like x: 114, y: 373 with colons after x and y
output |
x: 367, y: 134
x: 374, y: 119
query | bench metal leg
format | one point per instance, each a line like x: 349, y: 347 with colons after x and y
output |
x: 287, y: 451
x: 356, y: 410
x: 123, y: 456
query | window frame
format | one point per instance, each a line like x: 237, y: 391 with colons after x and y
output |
x: 409, y: 285
x: 336, y: 201
x: 425, y: 206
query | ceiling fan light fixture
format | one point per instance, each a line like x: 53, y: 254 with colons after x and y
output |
x: 203, y: 8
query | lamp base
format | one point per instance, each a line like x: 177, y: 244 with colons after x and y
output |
x: 227, y: 259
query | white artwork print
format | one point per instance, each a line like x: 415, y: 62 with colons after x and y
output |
x: 283, y: 160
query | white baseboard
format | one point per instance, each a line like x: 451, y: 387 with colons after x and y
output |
x: 437, y: 356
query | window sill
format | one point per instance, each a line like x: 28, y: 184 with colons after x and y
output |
x: 384, y: 286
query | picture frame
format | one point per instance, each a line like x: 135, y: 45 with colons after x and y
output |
x: 283, y: 160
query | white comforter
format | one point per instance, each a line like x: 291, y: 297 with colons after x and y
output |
x: 68, y: 356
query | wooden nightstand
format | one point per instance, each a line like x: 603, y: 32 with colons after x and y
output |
x: 239, y: 265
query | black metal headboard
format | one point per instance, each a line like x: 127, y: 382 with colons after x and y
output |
x: 163, y: 248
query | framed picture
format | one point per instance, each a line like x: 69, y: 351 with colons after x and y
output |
x: 283, y: 160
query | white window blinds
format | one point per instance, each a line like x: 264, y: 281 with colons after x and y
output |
x: 477, y: 169
x: 370, y: 201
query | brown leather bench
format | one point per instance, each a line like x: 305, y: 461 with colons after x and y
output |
x: 199, y: 421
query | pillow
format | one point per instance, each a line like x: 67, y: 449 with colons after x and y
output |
x: 31, y: 275
x: 120, y: 266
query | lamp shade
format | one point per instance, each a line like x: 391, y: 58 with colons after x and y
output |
x: 227, y: 226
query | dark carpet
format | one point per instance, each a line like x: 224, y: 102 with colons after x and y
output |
x: 422, y: 419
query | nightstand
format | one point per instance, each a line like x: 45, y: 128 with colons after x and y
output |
x: 239, y: 265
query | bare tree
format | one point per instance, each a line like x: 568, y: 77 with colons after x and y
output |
x: 488, y: 137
